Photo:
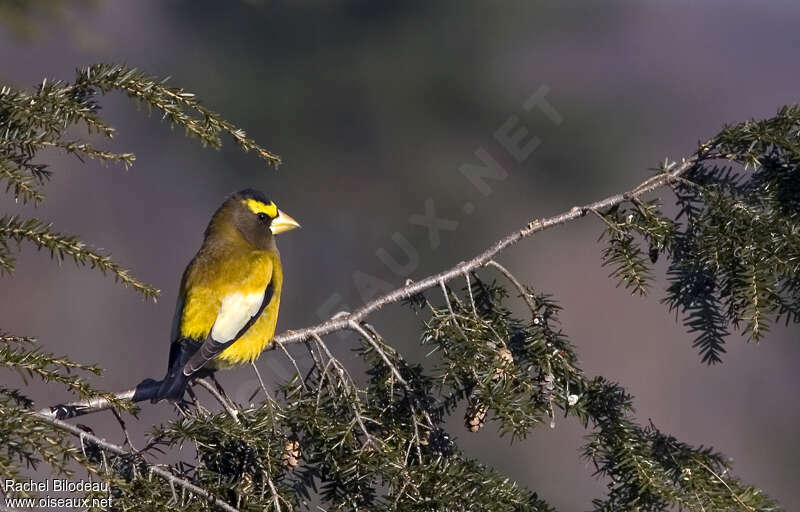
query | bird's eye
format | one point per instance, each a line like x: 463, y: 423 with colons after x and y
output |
x: 263, y: 217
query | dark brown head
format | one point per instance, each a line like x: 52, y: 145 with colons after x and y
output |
x: 254, y: 216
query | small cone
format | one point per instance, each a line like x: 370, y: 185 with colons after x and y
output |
x: 424, y: 438
x: 506, y: 359
x: 291, y: 454
x: 475, y: 417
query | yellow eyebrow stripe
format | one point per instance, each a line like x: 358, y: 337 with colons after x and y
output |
x: 259, y: 207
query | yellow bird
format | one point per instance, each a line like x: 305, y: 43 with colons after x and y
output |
x: 230, y: 292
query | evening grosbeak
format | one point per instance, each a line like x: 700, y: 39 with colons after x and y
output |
x: 230, y: 292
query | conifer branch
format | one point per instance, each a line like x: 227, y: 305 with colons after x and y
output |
x: 21, y: 185
x: 176, y: 105
x: 118, y: 450
x: 351, y: 321
x: 62, y: 246
x: 81, y: 149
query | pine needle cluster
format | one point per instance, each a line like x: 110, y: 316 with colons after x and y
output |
x: 386, y: 444
x: 733, y: 249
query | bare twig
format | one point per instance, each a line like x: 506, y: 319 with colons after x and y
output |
x: 613, y: 227
x: 224, y: 402
x: 275, y: 496
x: 261, y: 383
x: 315, y: 357
x: 471, y: 297
x: 347, y: 382
x: 456, y: 324
x: 292, y: 360
x: 523, y: 292
x: 324, y: 370
x: 375, y: 345
x: 124, y: 428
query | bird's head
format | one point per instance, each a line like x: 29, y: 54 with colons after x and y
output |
x: 257, y: 218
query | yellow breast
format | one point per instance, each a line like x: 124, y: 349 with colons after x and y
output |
x: 244, y: 275
x: 247, y: 348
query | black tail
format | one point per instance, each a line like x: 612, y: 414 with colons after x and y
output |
x: 174, y: 384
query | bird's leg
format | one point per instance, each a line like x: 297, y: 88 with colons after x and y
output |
x: 190, y: 391
x: 183, y: 407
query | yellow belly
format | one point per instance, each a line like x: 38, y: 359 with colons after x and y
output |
x: 203, y: 302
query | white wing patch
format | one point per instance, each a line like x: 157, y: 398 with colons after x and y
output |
x: 237, y: 309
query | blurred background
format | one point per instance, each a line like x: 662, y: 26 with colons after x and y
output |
x: 374, y: 106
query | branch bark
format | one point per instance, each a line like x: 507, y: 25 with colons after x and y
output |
x: 147, y: 388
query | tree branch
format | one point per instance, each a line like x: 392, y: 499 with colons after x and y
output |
x: 342, y: 322
x: 163, y: 473
x: 148, y: 388
x: 143, y: 391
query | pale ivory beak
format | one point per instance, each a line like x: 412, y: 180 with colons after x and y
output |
x: 282, y: 223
